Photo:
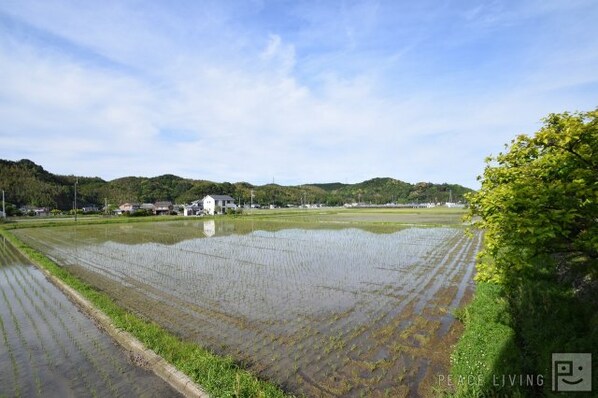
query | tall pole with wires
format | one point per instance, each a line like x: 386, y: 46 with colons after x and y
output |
x: 76, y: 182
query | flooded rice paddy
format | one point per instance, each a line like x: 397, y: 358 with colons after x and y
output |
x: 50, y: 349
x: 323, y: 311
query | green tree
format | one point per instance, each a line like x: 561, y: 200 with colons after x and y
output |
x: 540, y: 197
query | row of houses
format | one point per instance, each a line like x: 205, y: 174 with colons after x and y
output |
x: 210, y: 204
x: 158, y: 208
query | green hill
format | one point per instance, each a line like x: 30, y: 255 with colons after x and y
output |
x: 26, y: 183
x: 390, y: 190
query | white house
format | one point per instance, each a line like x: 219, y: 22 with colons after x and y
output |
x: 218, y: 204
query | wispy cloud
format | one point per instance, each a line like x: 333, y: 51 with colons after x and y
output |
x: 299, y: 92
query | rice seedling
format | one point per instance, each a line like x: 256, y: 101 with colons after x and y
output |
x: 335, y: 297
x: 48, y: 335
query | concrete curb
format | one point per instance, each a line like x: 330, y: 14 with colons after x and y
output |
x: 166, y: 371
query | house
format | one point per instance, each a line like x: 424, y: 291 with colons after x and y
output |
x: 193, y: 209
x: 163, y: 208
x: 148, y: 207
x: 128, y: 207
x: 218, y: 204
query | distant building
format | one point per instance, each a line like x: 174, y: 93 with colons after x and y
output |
x: 163, y: 208
x: 193, y: 209
x: 218, y: 204
x: 129, y: 207
x: 149, y: 207
x: 33, y: 210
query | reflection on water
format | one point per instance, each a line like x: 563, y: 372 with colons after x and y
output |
x: 209, y: 228
x: 173, y: 232
x: 320, y: 309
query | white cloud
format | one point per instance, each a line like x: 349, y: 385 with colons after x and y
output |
x: 203, y: 93
x: 56, y: 104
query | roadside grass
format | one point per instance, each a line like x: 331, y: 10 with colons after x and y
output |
x: 487, y: 349
x: 219, y: 376
x: 513, y: 330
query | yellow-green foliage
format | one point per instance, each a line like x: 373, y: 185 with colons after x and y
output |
x: 540, y: 196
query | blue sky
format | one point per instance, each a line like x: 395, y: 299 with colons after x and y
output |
x: 295, y: 91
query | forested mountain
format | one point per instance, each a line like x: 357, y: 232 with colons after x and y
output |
x: 26, y: 183
x: 386, y: 190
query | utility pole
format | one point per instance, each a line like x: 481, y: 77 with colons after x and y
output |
x: 76, y: 182
x: 3, y: 206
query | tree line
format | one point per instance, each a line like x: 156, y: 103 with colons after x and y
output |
x: 26, y: 183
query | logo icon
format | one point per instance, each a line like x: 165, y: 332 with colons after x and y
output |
x: 571, y: 372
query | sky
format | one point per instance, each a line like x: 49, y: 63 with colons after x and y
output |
x: 293, y: 92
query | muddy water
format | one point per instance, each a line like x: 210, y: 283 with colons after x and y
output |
x: 323, y: 312
x: 50, y: 349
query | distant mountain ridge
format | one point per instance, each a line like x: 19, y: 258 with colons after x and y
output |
x: 26, y: 183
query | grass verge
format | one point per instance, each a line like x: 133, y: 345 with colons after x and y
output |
x: 512, y: 330
x: 487, y: 349
x: 219, y: 376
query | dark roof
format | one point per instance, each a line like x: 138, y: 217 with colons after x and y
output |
x: 221, y: 197
x: 163, y: 204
